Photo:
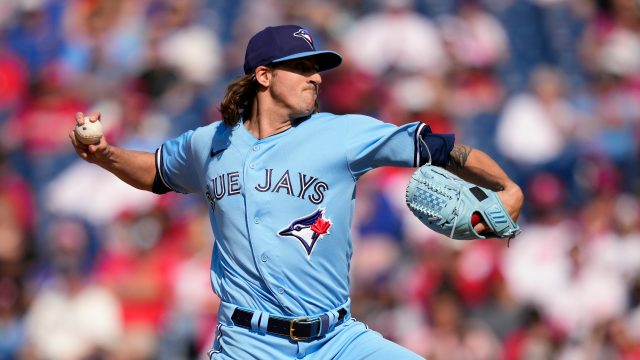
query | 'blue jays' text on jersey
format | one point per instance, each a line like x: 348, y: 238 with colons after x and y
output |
x: 281, y: 207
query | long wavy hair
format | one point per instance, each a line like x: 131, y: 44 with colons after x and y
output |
x: 238, y: 100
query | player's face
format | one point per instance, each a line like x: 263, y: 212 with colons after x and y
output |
x: 294, y: 85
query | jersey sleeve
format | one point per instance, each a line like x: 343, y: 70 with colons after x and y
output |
x: 175, y: 170
x: 372, y: 143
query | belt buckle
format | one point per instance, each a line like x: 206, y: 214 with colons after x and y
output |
x: 292, y: 324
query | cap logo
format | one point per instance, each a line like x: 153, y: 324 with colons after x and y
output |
x: 304, y: 34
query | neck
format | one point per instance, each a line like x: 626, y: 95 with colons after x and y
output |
x: 267, y: 120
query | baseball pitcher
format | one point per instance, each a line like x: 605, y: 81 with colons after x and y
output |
x: 280, y: 179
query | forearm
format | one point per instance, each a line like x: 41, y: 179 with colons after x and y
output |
x: 136, y: 168
x: 477, y: 167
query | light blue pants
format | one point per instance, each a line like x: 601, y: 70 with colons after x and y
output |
x: 349, y: 340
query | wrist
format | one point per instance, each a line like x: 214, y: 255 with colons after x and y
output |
x: 512, y: 189
x: 513, y: 199
x: 106, y: 157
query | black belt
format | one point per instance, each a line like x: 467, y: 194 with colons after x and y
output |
x: 299, y: 329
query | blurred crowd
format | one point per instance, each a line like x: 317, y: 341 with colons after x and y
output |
x: 91, y: 268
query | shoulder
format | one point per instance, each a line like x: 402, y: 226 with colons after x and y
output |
x: 213, y: 128
x: 346, y: 120
x: 213, y: 131
x: 200, y: 140
x: 350, y: 125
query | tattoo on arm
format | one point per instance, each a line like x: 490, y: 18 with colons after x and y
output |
x: 458, y: 157
x: 458, y: 165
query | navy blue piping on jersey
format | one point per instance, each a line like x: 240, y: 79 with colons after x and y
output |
x: 160, y: 186
x: 440, y: 146
x: 213, y: 351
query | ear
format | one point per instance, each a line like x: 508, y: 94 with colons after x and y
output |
x: 263, y: 75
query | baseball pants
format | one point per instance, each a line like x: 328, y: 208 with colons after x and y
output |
x: 350, y: 339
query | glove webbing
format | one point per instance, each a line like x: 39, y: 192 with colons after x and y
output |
x: 439, y: 190
x: 430, y: 213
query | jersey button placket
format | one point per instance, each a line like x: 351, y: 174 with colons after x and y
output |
x: 263, y: 258
x: 255, y: 148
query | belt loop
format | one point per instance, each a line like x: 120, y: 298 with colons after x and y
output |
x: 324, y: 324
x: 333, y: 319
x: 263, y: 323
x: 255, y: 320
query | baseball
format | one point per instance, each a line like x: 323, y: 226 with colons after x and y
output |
x: 90, y: 132
x: 475, y: 219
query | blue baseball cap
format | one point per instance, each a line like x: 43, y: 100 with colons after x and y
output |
x: 286, y: 42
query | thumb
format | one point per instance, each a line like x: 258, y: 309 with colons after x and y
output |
x: 480, y: 227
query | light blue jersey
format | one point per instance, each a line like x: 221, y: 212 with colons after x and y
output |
x: 281, y: 207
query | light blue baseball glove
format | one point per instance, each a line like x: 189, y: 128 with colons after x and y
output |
x: 446, y: 204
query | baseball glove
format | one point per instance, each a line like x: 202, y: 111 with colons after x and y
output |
x: 446, y: 204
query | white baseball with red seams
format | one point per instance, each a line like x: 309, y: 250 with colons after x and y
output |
x: 90, y: 132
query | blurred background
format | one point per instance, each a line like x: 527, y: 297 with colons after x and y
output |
x: 93, y: 269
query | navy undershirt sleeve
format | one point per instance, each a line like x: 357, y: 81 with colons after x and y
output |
x: 159, y: 186
x: 438, y: 147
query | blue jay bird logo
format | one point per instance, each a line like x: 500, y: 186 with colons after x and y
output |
x: 304, y: 34
x: 308, y: 229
